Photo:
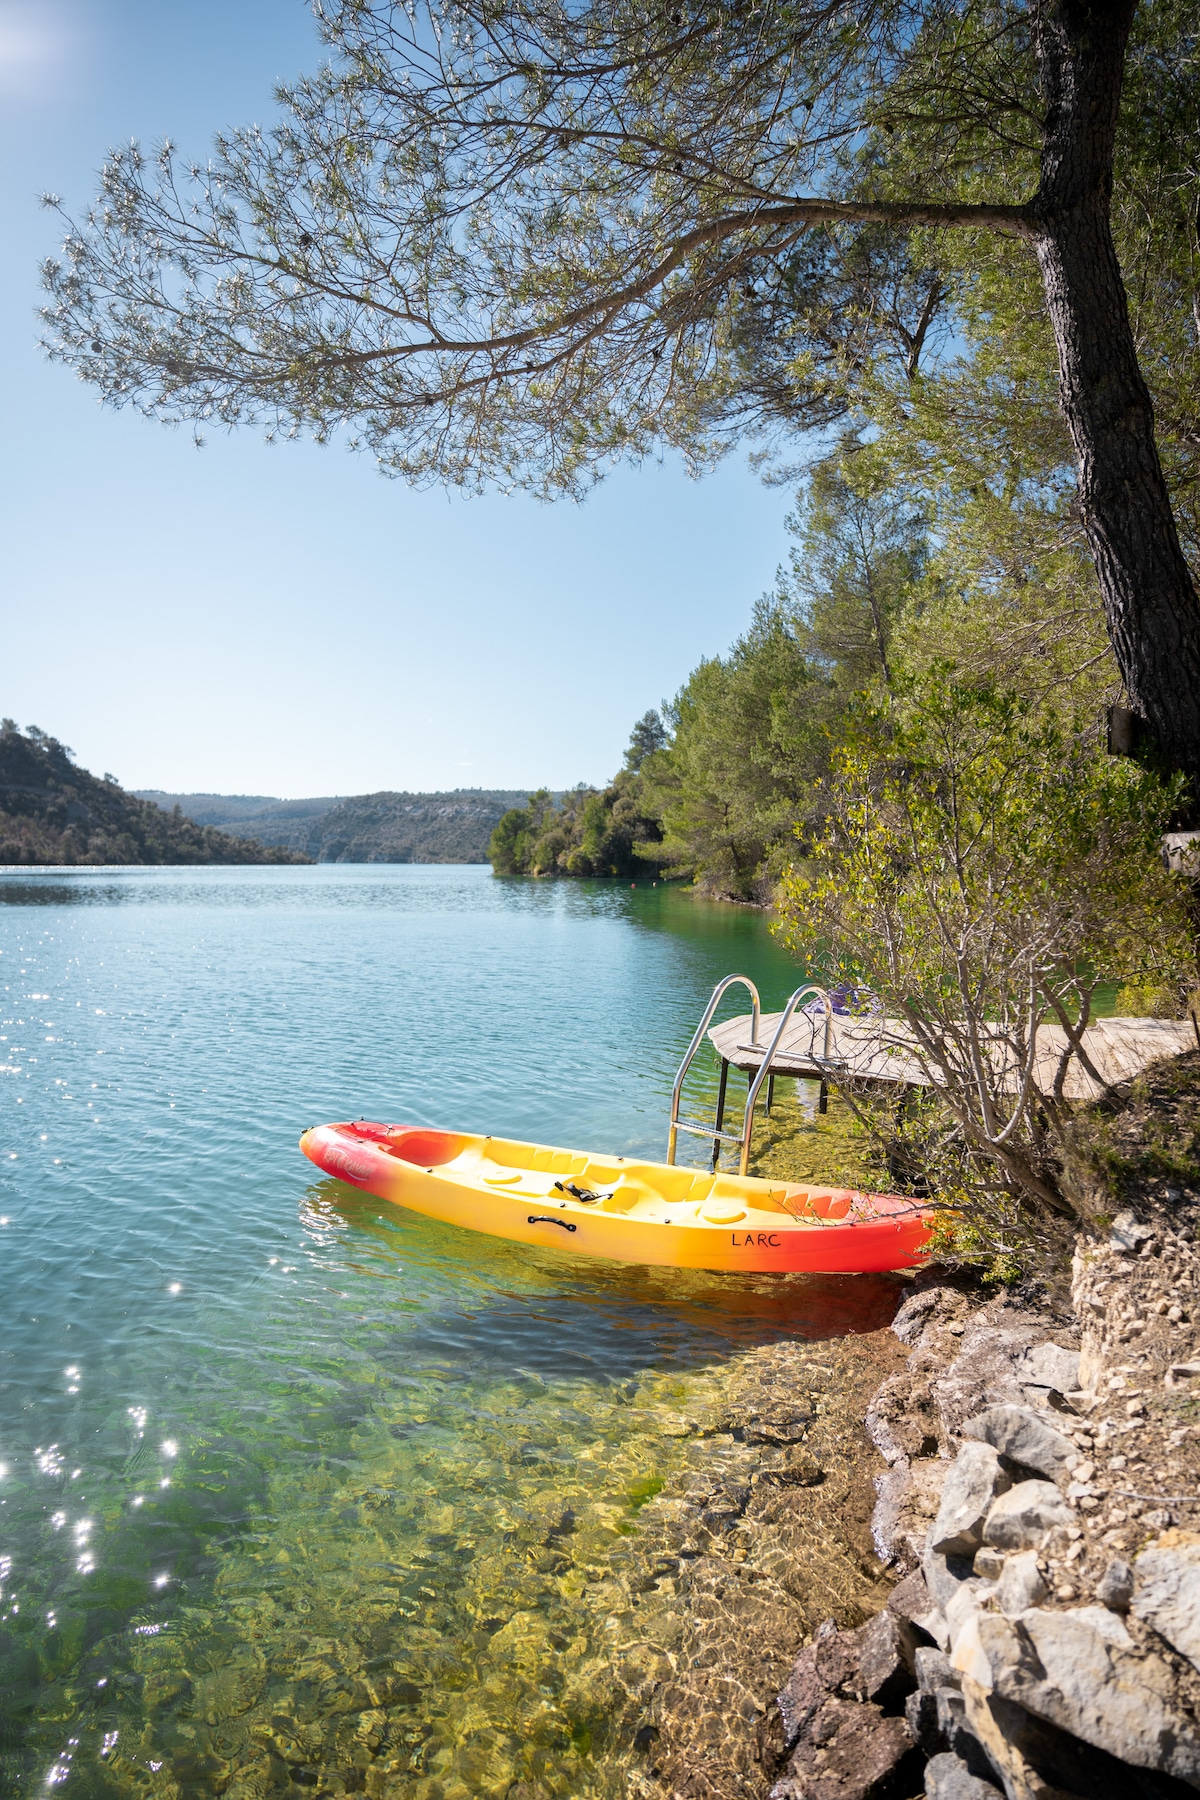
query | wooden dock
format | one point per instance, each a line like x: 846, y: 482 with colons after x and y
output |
x: 884, y: 1050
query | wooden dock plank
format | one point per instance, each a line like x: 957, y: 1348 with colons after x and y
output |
x: 872, y: 1049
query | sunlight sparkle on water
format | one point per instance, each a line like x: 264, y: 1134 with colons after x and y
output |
x: 546, y: 1393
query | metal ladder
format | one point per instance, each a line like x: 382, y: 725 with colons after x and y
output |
x: 742, y: 1138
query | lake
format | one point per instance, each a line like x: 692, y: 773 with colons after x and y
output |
x: 301, y: 1492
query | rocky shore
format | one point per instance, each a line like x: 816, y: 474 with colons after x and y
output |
x: 1026, y: 1619
x: 1042, y: 1508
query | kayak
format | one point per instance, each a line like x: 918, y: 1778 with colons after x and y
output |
x: 622, y: 1208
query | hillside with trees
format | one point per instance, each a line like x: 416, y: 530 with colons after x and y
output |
x: 53, y: 812
x: 386, y: 827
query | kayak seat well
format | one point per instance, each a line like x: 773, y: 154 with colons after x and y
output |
x: 424, y: 1149
x: 819, y: 1203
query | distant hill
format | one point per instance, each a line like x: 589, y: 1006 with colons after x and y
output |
x: 53, y: 812
x: 386, y: 827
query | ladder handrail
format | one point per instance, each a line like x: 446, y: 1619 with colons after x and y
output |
x: 810, y: 987
x: 698, y: 1039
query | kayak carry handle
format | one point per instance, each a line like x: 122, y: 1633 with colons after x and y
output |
x: 549, y: 1219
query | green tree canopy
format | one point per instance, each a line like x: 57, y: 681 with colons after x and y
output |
x: 510, y: 242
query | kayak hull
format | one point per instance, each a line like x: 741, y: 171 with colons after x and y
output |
x: 654, y: 1214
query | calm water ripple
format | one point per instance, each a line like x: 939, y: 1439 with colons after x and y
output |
x: 297, y: 1488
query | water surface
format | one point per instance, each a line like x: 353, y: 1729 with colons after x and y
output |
x: 300, y: 1491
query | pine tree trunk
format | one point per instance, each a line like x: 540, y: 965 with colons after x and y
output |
x: 1150, y: 599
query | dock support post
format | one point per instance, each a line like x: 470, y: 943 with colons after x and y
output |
x: 716, y: 1154
x: 823, y: 1102
x: 770, y: 1094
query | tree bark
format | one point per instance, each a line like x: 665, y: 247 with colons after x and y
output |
x: 1151, y: 602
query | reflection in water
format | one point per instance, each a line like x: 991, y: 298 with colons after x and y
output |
x: 299, y: 1488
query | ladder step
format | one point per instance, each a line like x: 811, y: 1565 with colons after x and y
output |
x: 708, y: 1131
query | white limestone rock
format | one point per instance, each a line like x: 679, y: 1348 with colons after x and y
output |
x: 1023, y: 1517
x: 1051, y: 1367
x: 1167, y: 1594
x: 1017, y: 1433
x: 970, y: 1489
x: 1020, y: 1585
x: 1081, y: 1671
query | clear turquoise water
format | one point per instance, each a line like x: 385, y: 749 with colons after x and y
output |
x: 301, y: 1492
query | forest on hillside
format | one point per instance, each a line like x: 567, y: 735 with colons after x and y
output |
x: 448, y: 827
x: 53, y: 812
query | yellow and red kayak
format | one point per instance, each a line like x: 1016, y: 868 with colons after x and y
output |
x: 618, y: 1207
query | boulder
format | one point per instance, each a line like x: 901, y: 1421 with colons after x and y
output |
x: 835, y: 1656
x: 944, y: 1575
x: 930, y: 1307
x: 1024, y: 1516
x: 850, y: 1751
x: 1051, y: 1367
x: 963, y: 1616
x: 803, y: 1694
x: 932, y: 1668
x: 947, y: 1777
x: 900, y: 1420
x: 1080, y: 1671
x: 910, y: 1599
x: 886, y: 1647
x: 921, y: 1717
x: 874, y: 1662
x: 909, y: 1496
x: 1020, y: 1585
x: 974, y: 1480
x: 951, y: 1711
x: 984, y: 1372
x: 1128, y: 1233
x: 1036, y: 1760
x: 1018, y: 1434
x: 1167, y: 1591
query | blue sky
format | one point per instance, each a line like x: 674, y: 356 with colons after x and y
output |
x: 281, y: 619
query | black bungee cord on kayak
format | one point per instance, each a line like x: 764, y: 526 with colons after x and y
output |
x: 578, y: 1193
